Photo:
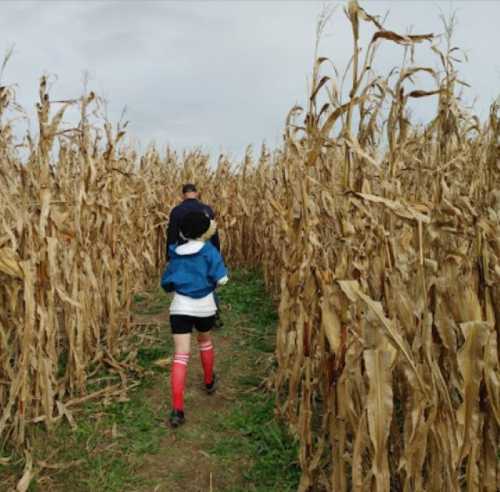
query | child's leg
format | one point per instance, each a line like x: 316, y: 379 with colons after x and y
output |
x: 207, y: 355
x: 182, y: 344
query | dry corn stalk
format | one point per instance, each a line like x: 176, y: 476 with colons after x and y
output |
x: 383, y: 249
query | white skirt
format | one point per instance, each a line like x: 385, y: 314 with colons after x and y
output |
x: 201, y: 308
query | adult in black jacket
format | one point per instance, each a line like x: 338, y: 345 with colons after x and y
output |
x: 190, y: 203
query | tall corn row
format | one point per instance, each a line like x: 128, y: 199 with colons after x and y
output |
x: 80, y: 232
x: 388, y: 338
x: 82, y: 229
x: 381, y: 239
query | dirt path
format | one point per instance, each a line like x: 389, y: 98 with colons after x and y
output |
x: 225, y: 433
x: 230, y: 442
x: 185, y: 460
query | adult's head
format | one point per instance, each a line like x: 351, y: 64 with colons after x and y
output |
x: 189, y: 191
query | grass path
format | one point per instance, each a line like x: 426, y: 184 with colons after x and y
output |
x: 230, y: 442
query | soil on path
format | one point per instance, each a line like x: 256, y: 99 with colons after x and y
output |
x: 207, y: 454
x: 185, y: 460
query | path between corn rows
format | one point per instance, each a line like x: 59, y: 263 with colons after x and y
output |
x: 230, y: 442
x: 205, y: 454
x: 185, y: 461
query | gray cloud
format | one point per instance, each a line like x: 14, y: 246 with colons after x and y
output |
x: 217, y: 74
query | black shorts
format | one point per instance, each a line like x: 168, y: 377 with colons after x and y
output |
x: 182, y: 324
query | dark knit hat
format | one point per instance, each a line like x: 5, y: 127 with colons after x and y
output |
x: 194, y: 225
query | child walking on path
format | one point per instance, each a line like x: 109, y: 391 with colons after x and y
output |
x: 194, y: 271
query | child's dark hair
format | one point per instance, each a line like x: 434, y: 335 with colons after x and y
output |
x: 194, y: 224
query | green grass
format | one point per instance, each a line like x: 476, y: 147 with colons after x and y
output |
x: 247, y: 298
x: 106, y: 463
x: 151, y: 303
x: 254, y: 433
x: 246, y: 433
x: 146, y: 356
x: 251, y: 429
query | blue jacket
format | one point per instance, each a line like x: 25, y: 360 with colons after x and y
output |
x: 194, y: 275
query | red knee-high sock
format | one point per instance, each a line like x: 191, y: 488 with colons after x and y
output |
x: 207, y: 360
x: 178, y: 379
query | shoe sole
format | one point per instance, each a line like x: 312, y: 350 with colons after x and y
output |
x: 174, y: 425
x: 213, y: 389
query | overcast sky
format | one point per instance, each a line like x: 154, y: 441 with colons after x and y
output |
x: 217, y: 74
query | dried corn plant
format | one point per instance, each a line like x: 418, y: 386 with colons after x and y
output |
x: 389, y: 282
x: 380, y: 238
x: 81, y: 230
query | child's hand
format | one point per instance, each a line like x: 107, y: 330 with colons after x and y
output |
x: 222, y: 281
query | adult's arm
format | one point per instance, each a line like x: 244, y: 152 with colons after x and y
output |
x: 215, y: 238
x: 217, y: 271
x: 172, y: 231
x: 166, y: 279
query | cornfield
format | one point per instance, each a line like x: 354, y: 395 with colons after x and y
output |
x: 379, y: 237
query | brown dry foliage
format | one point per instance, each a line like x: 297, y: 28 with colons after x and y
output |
x: 382, y: 243
x: 389, y: 288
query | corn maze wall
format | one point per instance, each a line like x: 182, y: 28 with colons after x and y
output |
x: 379, y: 237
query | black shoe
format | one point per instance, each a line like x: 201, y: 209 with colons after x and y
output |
x: 218, y: 323
x: 210, y: 388
x: 176, y: 418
